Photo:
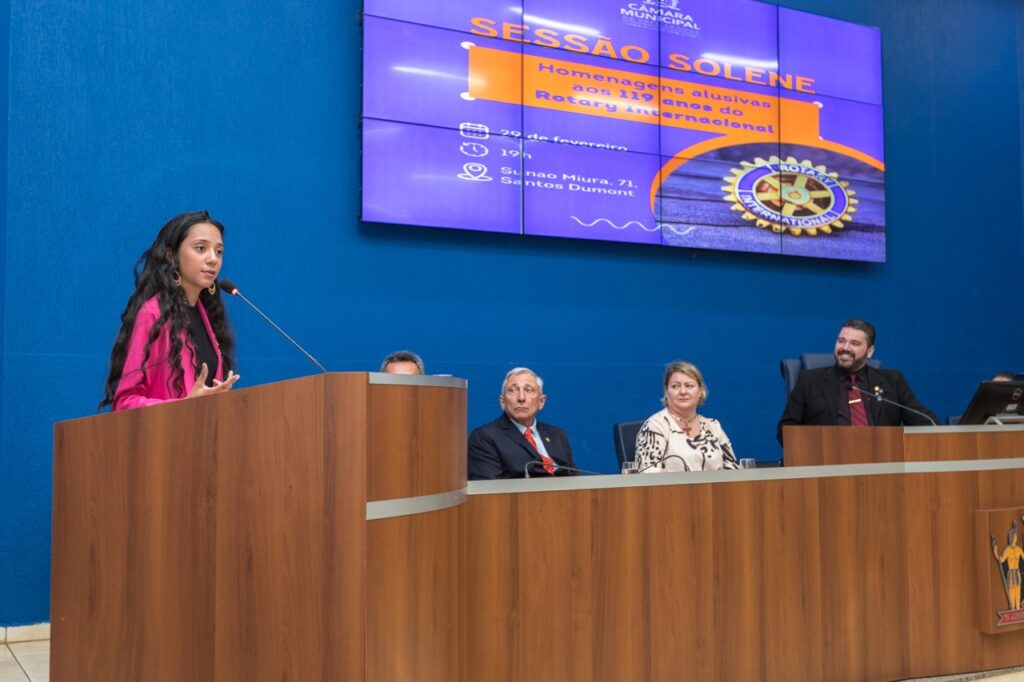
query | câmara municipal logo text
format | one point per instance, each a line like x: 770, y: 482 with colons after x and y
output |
x: 664, y: 15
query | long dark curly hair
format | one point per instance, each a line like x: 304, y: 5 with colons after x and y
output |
x: 154, y: 276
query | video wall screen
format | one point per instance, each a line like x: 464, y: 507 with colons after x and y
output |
x: 717, y: 124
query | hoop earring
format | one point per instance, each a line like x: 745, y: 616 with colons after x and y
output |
x: 213, y: 289
x: 177, y: 278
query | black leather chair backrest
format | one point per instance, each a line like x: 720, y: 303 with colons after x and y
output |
x: 624, y: 434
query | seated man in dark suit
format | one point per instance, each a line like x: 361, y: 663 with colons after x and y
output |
x: 515, y: 440
x: 829, y: 396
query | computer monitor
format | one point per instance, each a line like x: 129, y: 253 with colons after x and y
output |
x: 993, y: 399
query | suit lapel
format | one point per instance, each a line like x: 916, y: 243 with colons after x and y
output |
x: 549, y: 445
x: 830, y: 391
x: 519, y: 439
x: 874, y: 379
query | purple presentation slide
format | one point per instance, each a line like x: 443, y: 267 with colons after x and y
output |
x: 718, y: 124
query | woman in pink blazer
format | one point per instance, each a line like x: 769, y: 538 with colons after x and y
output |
x: 174, y: 340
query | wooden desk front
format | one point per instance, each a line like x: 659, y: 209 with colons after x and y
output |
x: 322, y: 529
x: 814, y: 573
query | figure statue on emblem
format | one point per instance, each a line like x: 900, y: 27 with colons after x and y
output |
x: 1009, y: 565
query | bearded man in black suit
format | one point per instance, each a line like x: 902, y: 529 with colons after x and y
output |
x: 845, y: 394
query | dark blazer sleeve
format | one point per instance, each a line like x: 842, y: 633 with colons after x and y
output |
x: 796, y: 404
x: 568, y: 453
x: 483, y: 455
x: 806, y: 403
x: 814, y: 400
x: 899, y: 390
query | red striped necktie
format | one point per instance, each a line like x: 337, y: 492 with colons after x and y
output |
x: 549, y: 464
x: 858, y: 415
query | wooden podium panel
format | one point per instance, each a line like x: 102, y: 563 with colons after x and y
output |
x: 416, y: 619
x: 944, y: 443
x: 817, y: 445
x: 226, y: 538
x: 417, y: 439
x: 746, y: 580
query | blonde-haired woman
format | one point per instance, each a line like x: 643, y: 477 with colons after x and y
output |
x: 677, y: 438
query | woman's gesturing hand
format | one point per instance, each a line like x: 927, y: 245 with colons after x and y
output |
x: 200, y: 389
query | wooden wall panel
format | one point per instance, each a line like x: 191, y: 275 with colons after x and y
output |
x: 1001, y: 488
x: 555, y: 583
x: 344, y: 528
x: 618, y: 543
x: 213, y: 539
x: 731, y: 628
x: 123, y: 539
x: 415, y: 629
x: 417, y: 440
x: 815, y: 445
x: 660, y: 583
x: 939, y: 556
x: 270, y: 557
x: 863, y: 600
x: 953, y: 445
x: 790, y: 579
x: 493, y: 630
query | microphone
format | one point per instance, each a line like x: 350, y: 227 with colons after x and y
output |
x: 558, y: 467
x: 877, y: 395
x: 664, y: 459
x: 227, y: 286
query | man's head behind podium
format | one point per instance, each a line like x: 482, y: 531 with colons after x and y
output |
x: 402, y: 362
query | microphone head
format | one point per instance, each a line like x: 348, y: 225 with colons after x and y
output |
x: 228, y: 287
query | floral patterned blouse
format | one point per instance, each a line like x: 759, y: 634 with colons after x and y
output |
x: 662, y: 445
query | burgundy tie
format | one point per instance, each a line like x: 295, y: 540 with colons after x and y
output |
x: 858, y: 415
x: 549, y: 464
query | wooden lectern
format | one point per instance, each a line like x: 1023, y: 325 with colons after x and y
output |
x: 233, y: 538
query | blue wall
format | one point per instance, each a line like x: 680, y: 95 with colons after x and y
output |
x: 126, y: 113
x: 9, y: 535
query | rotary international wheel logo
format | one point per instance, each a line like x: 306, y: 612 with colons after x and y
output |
x: 790, y: 196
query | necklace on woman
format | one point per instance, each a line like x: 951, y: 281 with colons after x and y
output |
x: 686, y: 423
